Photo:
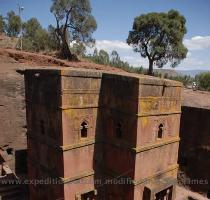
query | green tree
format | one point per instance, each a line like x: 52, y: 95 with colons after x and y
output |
x: 103, y: 57
x: 139, y: 70
x: 95, y: 52
x: 73, y: 22
x: 115, y: 58
x: 159, y: 37
x: 41, y: 40
x: 2, y: 24
x: 35, y: 38
x: 30, y: 27
x: 204, y: 81
x: 95, y: 56
x: 53, y: 41
x: 13, y: 25
x: 185, y: 79
x: 78, y: 49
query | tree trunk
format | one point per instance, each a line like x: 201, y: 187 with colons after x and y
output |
x: 66, y: 53
x: 150, y: 71
x: 61, y: 34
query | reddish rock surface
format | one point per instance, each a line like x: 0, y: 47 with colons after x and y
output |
x: 198, y: 99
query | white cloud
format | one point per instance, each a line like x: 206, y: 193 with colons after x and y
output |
x: 135, y: 60
x: 109, y: 45
x: 192, y: 63
x: 124, y: 50
x: 194, y: 43
x: 127, y: 54
x: 197, y: 43
x: 189, y: 54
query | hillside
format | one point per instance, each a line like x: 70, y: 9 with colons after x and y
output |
x: 35, y: 59
x: 191, y: 73
x: 8, y: 42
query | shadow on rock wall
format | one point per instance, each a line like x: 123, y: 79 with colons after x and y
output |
x: 194, y: 151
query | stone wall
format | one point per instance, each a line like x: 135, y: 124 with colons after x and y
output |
x: 194, y: 152
x: 12, y: 116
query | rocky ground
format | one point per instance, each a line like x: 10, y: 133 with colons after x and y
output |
x: 33, y: 59
x: 198, y: 99
x: 12, y: 106
x: 12, y: 109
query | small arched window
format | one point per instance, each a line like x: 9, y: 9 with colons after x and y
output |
x: 84, y: 130
x: 119, y: 131
x: 160, y: 131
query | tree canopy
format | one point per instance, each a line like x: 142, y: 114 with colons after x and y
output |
x: 203, y: 80
x: 74, y: 22
x: 35, y: 38
x: 53, y: 42
x: 2, y: 24
x: 115, y: 58
x: 78, y: 48
x: 13, y: 25
x: 159, y: 37
x: 103, y: 56
x: 30, y: 27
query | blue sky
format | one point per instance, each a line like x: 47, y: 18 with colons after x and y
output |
x: 115, y: 19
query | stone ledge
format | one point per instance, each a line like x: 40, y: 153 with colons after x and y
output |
x: 147, y: 114
x: 170, y: 169
x: 120, y: 145
x: 75, y: 178
x: 116, y: 175
x: 78, y: 107
x: 85, y: 73
x: 88, y: 142
x: 156, y: 145
x: 58, y: 107
x: 77, y: 145
x: 80, y: 91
